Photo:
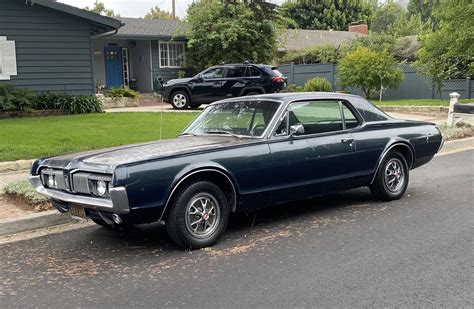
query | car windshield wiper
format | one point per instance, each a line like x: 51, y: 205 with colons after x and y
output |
x: 222, y: 132
x: 186, y: 134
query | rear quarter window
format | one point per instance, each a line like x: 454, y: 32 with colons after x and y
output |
x: 368, y: 111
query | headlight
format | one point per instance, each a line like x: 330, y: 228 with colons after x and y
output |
x: 52, y: 181
x: 101, y: 187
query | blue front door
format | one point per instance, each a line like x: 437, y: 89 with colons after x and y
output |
x: 113, y: 66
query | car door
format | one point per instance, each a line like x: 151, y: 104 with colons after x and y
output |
x: 317, y: 161
x: 207, y: 88
x: 235, y: 81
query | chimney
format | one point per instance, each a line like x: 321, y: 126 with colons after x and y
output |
x: 359, y: 27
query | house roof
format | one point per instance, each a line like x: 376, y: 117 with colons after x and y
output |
x: 297, y: 39
x: 149, y: 28
x: 99, y: 23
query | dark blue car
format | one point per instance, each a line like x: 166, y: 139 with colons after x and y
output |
x: 241, y: 154
x: 221, y: 82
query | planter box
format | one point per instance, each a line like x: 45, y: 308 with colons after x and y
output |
x: 119, y: 102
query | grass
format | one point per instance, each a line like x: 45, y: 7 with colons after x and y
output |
x: 29, y: 138
x: 418, y: 102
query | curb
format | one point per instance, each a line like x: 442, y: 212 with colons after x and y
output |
x: 463, y: 143
x: 15, y: 166
x: 33, y: 221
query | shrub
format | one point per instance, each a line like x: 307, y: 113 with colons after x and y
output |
x: 369, y: 70
x: 16, y: 99
x: 320, y: 54
x: 23, y: 189
x: 294, y: 88
x: 51, y: 100
x: 318, y: 84
x: 81, y: 105
x: 121, y: 92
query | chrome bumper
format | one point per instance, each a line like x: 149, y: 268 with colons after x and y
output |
x: 118, y: 202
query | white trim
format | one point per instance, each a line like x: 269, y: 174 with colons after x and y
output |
x: 151, y: 66
x: 8, y: 62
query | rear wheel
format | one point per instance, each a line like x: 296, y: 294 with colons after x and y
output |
x: 198, y: 216
x: 391, y: 180
x: 180, y: 100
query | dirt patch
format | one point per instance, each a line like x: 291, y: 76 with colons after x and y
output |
x: 9, y: 209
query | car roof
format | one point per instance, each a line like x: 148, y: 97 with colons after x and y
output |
x: 292, y: 96
x: 242, y: 64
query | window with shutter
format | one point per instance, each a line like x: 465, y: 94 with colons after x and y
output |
x: 8, y: 66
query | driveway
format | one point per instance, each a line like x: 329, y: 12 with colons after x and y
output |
x: 343, y: 250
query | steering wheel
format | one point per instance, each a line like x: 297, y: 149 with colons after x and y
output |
x: 256, y: 126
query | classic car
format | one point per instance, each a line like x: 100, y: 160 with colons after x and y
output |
x: 241, y: 154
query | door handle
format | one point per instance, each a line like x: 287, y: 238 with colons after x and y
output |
x: 347, y: 140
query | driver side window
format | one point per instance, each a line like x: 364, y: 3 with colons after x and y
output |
x: 213, y: 73
x: 316, y: 116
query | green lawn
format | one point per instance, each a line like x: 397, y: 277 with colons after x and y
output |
x: 418, y: 102
x: 29, y: 138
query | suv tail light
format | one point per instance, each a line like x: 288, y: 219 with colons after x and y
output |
x: 278, y: 79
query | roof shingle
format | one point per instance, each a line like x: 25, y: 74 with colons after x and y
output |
x: 149, y: 28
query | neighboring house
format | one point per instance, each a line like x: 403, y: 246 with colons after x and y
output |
x: 140, y: 51
x: 298, y: 39
x: 47, y: 46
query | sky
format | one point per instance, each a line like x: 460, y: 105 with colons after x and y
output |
x: 138, y: 8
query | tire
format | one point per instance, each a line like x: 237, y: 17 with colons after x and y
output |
x: 191, y: 204
x: 180, y: 100
x: 391, y: 180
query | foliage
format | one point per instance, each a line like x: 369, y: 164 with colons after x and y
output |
x: 81, y: 105
x: 28, y: 138
x: 51, y: 100
x: 121, y: 92
x: 385, y: 16
x: 422, y: 8
x: 405, y: 25
x: 369, y: 70
x: 317, y: 84
x: 449, y: 52
x: 157, y: 13
x: 16, y: 99
x: 320, y: 54
x: 181, y: 74
x: 229, y: 31
x: 327, y: 14
x: 24, y: 190
x: 99, y: 8
x: 294, y: 88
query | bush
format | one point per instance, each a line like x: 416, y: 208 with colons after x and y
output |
x: 121, y: 92
x: 369, y: 70
x: 16, y: 99
x: 81, y: 105
x: 51, y: 100
x: 318, y: 84
x: 23, y: 189
x: 294, y: 88
x: 320, y: 54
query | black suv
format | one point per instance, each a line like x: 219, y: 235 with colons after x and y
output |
x: 223, y: 81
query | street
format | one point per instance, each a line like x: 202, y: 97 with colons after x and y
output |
x: 342, y: 250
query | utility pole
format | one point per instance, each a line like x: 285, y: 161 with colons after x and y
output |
x: 174, y: 8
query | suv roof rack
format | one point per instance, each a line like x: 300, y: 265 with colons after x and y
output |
x: 247, y: 62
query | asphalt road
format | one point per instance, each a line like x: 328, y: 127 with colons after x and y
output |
x: 344, y: 250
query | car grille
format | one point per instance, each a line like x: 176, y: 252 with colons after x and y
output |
x: 80, y: 182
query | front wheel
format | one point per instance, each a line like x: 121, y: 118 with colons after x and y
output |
x: 198, y: 216
x: 180, y: 100
x: 391, y: 180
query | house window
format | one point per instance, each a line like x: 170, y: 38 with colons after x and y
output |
x: 7, y: 58
x: 172, y: 55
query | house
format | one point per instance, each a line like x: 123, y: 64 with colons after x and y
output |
x: 50, y: 46
x: 47, y: 46
x: 138, y: 53
x: 299, y: 40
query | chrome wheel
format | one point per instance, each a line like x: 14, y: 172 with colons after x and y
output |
x: 202, y: 215
x: 394, y: 175
x: 179, y: 100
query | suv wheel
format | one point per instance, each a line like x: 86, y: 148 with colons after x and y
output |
x: 180, y: 100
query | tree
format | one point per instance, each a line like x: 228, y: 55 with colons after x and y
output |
x: 157, y: 13
x: 99, y: 8
x: 228, y: 32
x: 327, y: 14
x: 422, y: 8
x: 369, y: 70
x: 448, y: 53
x: 385, y: 16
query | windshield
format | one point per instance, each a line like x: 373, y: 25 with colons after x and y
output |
x: 246, y: 118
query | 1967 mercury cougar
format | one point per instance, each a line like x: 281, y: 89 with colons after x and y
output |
x: 241, y: 154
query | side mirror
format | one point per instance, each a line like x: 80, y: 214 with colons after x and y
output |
x: 296, y: 129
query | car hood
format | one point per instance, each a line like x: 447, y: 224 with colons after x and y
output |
x: 108, y: 159
x: 177, y: 81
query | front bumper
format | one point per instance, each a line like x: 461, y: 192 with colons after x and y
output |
x: 118, y: 202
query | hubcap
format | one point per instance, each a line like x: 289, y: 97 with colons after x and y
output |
x: 202, y: 215
x: 394, y: 175
x: 179, y: 100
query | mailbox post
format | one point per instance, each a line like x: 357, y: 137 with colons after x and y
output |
x: 453, y: 99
